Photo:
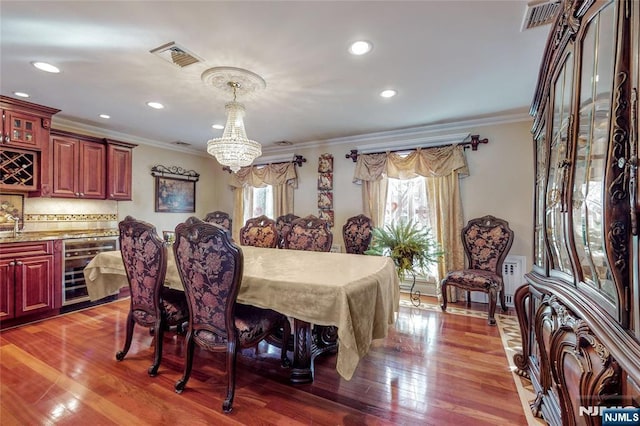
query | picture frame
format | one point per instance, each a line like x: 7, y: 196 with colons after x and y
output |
x: 325, y: 200
x: 11, y: 205
x: 327, y: 215
x: 325, y: 181
x: 325, y: 163
x: 175, y: 195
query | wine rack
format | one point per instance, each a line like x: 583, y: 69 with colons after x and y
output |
x: 18, y: 169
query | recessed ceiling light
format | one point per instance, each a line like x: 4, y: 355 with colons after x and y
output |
x: 360, y: 47
x: 217, y: 126
x: 389, y: 93
x: 155, y: 105
x: 43, y: 66
x: 21, y: 94
x: 105, y: 116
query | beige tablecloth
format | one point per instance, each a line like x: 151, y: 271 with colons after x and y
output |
x: 358, y: 294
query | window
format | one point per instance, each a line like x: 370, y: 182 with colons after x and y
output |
x: 257, y: 202
x: 407, y: 201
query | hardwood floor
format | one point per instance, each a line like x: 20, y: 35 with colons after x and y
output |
x: 432, y: 369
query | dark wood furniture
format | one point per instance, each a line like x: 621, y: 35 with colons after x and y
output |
x: 24, y: 138
x: 90, y: 167
x: 486, y: 241
x: 210, y: 267
x: 30, y: 281
x: 283, y: 225
x: 259, y: 232
x: 119, y: 170
x: 356, y: 234
x: 579, y: 310
x: 152, y: 305
x: 220, y: 218
x: 79, y: 168
x: 309, y: 233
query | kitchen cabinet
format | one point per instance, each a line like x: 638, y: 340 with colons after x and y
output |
x: 79, y: 168
x: 24, y: 124
x: 24, y: 146
x: 30, y: 280
x: 580, y: 307
x: 119, y: 170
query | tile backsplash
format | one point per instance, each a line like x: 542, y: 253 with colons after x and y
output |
x: 57, y: 214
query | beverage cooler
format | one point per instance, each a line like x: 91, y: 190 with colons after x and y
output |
x: 78, y: 252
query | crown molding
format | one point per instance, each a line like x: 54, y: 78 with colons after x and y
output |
x: 432, y: 134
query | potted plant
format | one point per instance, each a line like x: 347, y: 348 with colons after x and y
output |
x: 411, y: 247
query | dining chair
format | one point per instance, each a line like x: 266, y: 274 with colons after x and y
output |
x: 210, y: 266
x: 486, y: 242
x: 309, y: 233
x: 356, y: 234
x: 144, y: 255
x: 259, y: 232
x: 220, y: 218
x: 283, y: 225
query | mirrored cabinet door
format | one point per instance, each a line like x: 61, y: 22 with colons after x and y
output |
x: 596, y: 82
x: 556, y: 185
x: 541, y: 152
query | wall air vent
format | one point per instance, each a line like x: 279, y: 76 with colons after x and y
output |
x: 176, y: 55
x: 540, y: 12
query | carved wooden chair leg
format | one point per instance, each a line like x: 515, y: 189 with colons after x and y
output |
x: 189, y: 344
x: 492, y: 307
x: 231, y: 377
x: 443, y: 293
x: 127, y: 343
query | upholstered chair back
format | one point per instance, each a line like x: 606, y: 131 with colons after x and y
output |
x: 487, y: 241
x: 283, y: 225
x: 309, y: 233
x: 356, y: 234
x: 220, y: 218
x: 259, y: 232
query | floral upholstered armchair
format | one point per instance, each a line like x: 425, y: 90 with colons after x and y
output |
x: 309, y: 233
x: 356, y: 234
x: 259, y: 232
x: 486, y: 242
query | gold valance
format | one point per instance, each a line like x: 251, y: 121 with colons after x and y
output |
x: 270, y: 174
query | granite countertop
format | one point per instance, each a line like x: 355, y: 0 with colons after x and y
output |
x: 56, y: 235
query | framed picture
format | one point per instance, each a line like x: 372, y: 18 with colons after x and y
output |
x: 326, y: 215
x: 325, y: 163
x: 325, y: 200
x: 175, y: 195
x: 11, y: 207
x: 325, y: 181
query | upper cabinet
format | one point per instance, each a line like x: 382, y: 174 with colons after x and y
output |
x: 90, y: 167
x: 24, y: 145
x: 579, y: 311
x: 79, y: 168
x: 24, y: 124
x: 119, y: 170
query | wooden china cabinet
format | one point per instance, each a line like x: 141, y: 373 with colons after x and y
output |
x: 579, y: 310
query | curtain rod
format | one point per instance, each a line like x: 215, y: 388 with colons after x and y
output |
x: 475, y: 141
x: 297, y: 160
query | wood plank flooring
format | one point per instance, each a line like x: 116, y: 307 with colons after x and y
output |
x: 432, y: 369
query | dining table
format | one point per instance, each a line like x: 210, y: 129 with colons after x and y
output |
x: 337, y: 301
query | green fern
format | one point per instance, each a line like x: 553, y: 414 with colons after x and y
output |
x: 411, y: 248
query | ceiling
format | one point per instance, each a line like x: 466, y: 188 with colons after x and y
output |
x: 448, y: 60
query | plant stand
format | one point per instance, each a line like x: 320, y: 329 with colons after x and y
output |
x: 414, y: 295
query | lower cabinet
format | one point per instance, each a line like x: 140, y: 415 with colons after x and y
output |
x: 30, y: 281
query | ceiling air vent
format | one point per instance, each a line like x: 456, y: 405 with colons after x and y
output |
x: 180, y: 143
x: 540, y: 12
x: 175, y: 54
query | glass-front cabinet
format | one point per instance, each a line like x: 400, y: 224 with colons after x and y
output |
x: 579, y: 309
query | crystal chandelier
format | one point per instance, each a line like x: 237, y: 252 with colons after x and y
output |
x: 233, y: 149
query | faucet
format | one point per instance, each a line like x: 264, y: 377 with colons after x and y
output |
x: 16, y: 223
